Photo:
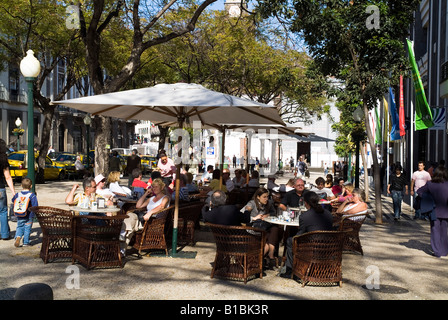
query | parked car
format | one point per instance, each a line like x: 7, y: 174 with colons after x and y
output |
x: 53, y: 169
x: 149, y: 163
x: 70, y: 158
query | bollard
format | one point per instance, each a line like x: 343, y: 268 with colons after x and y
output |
x: 34, y: 291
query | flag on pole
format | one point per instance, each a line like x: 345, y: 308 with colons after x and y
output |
x: 386, y: 117
x: 401, y: 110
x: 378, y: 127
x: 395, y: 131
x: 423, y: 115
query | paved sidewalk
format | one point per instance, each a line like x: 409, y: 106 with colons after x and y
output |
x: 399, y: 252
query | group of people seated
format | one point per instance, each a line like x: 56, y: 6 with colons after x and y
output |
x: 158, y: 193
x: 318, y: 215
x: 214, y: 180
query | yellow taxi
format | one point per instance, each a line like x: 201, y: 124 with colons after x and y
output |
x: 149, y: 163
x: 53, y: 169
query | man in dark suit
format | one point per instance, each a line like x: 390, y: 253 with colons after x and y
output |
x: 218, y: 212
x: 314, y: 219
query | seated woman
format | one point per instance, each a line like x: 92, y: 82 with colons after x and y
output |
x: 354, y: 204
x: 260, y: 208
x: 114, y: 185
x: 151, y: 206
x: 346, y: 193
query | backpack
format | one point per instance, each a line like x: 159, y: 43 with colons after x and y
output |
x: 21, y: 204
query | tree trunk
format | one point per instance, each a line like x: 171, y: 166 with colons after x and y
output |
x: 376, y: 168
x: 102, y: 127
x: 366, y: 173
x: 47, y: 111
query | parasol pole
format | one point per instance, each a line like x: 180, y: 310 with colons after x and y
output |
x: 176, y: 198
x: 223, y: 143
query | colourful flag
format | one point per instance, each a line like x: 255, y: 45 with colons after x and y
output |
x: 395, y: 131
x: 401, y: 110
x: 387, y: 126
x: 423, y: 115
x: 378, y: 128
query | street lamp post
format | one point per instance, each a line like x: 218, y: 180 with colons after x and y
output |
x: 358, y: 116
x: 30, y: 68
x: 88, y: 122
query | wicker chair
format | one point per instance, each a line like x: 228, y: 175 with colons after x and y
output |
x: 239, y: 252
x: 318, y: 257
x: 56, y: 225
x: 353, y: 223
x: 155, y: 232
x: 188, y: 222
x: 96, y: 241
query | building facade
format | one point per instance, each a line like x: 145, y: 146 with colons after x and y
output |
x: 68, y: 131
x: 429, y: 35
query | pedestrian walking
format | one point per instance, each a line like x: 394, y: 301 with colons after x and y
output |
x: 437, y: 188
x: 419, y: 179
x: 397, y: 183
x: 5, y: 179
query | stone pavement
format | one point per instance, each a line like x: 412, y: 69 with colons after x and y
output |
x: 396, y: 257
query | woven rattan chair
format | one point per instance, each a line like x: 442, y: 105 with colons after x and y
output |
x: 96, y: 241
x: 353, y: 223
x: 239, y: 252
x: 318, y: 257
x: 155, y: 232
x: 56, y: 232
x: 188, y: 222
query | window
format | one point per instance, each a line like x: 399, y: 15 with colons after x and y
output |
x: 14, y: 83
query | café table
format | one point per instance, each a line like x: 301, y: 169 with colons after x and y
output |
x: 287, y: 225
x: 112, y: 210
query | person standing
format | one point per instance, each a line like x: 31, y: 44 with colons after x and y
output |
x: 167, y: 169
x: 134, y: 162
x: 397, y: 183
x: 437, y: 188
x: 114, y: 163
x: 234, y: 161
x: 5, y: 179
x: 418, y: 180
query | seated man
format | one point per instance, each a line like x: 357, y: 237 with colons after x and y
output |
x: 271, y: 182
x: 84, y: 198
x: 218, y: 212
x: 294, y: 198
x: 183, y: 189
x: 137, y: 179
x: 227, y: 181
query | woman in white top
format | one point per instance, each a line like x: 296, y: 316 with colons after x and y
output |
x: 355, y: 204
x: 157, y: 202
x: 152, y: 205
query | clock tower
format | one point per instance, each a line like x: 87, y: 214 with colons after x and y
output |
x: 234, y: 7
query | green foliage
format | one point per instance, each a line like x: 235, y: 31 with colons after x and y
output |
x: 242, y: 57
